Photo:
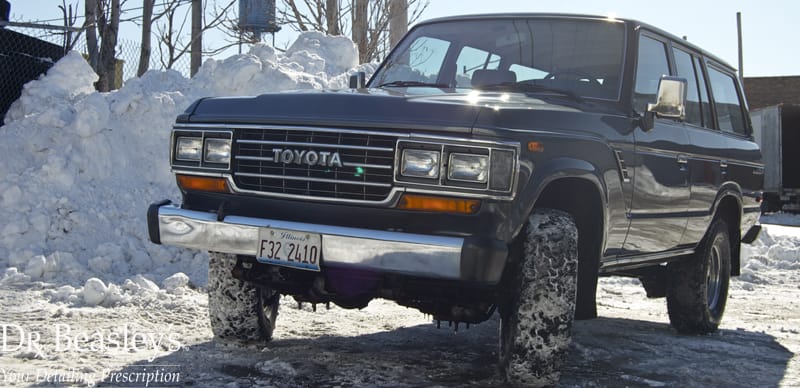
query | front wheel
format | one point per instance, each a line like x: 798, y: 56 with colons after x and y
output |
x: 238, y: 310
x: 536, y: 324
x: 697, y: 289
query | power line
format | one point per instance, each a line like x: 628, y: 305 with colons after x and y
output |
x: 178, y: 3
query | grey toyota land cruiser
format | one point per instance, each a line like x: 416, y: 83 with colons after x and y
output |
x: 493, y: 163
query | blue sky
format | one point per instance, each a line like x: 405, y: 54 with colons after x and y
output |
x: 771, y: 32
x: 770, y: 28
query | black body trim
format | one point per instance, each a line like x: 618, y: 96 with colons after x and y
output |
x: 152, y: 221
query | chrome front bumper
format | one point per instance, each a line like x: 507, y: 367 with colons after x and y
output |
x: 381, y: 251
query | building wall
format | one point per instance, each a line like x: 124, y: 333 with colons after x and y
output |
x: 766, y: 91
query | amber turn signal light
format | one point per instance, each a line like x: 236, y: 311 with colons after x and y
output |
x: 438, y: 204
x: 201, y: 183
x: 535, y: 146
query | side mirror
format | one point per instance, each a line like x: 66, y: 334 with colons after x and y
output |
x: 358, y: 80
x: 670, y: 101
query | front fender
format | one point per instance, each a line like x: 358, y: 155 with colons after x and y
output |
x: 546, y: 173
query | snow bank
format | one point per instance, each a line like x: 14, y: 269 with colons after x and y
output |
x: 78, y: 168
x: 775, y: 257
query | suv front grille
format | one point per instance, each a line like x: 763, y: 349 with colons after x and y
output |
x: 366, y: 173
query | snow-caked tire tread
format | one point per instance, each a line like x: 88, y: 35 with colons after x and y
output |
x: 687, y: 299
x: 536, y: 331
x: 235, y: 310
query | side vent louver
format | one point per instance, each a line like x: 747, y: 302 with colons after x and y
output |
x: 623, y: 169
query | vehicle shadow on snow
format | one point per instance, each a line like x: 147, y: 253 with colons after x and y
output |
x: 625, y: 352
x: 605, y: 352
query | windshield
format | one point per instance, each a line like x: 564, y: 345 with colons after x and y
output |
x: 579, y: 56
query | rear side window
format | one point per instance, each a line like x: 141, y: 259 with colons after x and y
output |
x: 652, y: 63
x: 685, y: 69
x: 527, y: 73
x: 705, y: 102
x: 727, y: 102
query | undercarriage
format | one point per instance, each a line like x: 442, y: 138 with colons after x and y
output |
x: 454, y: 301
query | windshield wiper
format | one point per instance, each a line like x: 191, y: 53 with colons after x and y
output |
x: 406, y: 84
x: 527, y: 87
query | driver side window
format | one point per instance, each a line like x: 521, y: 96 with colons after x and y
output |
x: 471, y: 59
x: 652, y: 63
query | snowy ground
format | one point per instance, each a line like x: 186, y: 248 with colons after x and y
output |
x: 631, y: 344
x: 85, y: 298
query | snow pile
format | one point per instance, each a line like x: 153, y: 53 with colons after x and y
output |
x: 775, y: 256
x: 79, y: 168
x: 314, y: 61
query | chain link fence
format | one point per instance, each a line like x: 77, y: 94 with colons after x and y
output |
x: 22, y: 58
x: 28, y: 50
x: 127, y: 51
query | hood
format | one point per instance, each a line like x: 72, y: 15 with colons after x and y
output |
x: 418, y: 109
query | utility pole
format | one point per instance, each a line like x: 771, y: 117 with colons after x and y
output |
x: 741, y: 58
x: 197, y: 36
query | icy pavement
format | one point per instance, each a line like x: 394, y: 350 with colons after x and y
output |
x: 631, y: 344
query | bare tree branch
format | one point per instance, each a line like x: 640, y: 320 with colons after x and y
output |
x: 366, y: 21
x: 70, y: 18
x: 299, y: 19
x: 172, y: 43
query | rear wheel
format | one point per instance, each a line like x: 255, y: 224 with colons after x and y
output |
x: 536, y: 323
x: 697, y: 289
x: 238, y: 310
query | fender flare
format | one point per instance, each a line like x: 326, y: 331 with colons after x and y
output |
x: 552, y: 171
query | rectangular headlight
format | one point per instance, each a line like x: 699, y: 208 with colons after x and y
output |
x: 502, y: 170
x: 420, y: 164
x: 217, y: 151
x: 468, y: 168
x: 189, y: 149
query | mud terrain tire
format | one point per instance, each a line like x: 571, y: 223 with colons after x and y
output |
x: 535, y: 328
x: 697, y: 287
x: 238, y: 310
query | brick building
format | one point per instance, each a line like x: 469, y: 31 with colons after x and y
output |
x: 766, y: 91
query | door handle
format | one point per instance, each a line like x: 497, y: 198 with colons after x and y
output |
x: 723, y: 164
x: 683, y: 162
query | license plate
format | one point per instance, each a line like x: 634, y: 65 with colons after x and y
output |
x: 289, y: 248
